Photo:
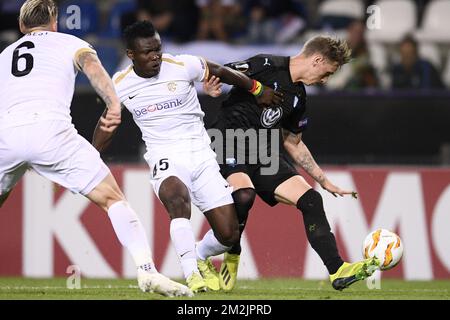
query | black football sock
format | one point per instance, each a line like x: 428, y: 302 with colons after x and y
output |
x: 318, y: 230
x: 243, y: 201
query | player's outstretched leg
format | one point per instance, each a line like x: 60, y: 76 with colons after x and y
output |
x: 322, y: 240
x: 349, y: 273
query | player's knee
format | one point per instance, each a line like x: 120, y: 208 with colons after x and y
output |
x: 310, y: 201
x: 314, y: 217
x: 244, y: 197
x: 243, y: 201
x: 178, y: 206
x: 228, y: 237
x: 106, y: 197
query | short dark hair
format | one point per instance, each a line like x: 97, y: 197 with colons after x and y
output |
x: 335, y: 50
x: 139, y: 29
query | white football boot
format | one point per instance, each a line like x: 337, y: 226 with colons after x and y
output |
x: 158, y: 283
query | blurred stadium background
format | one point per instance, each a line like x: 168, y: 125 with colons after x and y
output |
x: 381, y: 125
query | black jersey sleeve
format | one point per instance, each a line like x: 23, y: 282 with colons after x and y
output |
x: 252, y: 66
x: 296, y: 122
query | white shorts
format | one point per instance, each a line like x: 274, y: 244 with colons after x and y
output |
x: 198, y: 170
x: 54, y: 150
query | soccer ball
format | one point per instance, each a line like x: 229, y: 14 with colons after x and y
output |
x: 384, y: 245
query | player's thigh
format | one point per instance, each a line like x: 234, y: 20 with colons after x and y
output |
x: 10, y: 176
x: 240, y: 180
x: 162, y: 166
x: 172, y: 183
x: 238, y: 176
x: 70, y: 160
x: 175, y: 197
x: 291, y: 190
x: 266, y: 186
x: 12, y: 164
x: 209, y: 189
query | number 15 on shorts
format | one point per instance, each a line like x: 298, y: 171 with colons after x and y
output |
x: 162, y: 165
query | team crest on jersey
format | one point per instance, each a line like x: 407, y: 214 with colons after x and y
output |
x: 271, y: 116
x: 172, y: 86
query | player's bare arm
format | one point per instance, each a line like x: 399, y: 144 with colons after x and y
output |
x: 102, y: 84
x: 264, y: 95
x: 100, y: 80
x: 302, y: 156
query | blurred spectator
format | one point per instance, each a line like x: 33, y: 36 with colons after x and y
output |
x: 412, y: 71
x: 219, y: 19
x: 173, y: 19
x: 274, y: 21
x: 9, y: 11
x: 158, y: 12
x: 358, y: 73
x: 185, y: 24
x: 9, y: 28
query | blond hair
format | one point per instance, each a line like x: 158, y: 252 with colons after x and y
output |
x: 36, y: 13
x: 335, y: 50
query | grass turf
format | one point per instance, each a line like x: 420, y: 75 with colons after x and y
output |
x: 264, y: 289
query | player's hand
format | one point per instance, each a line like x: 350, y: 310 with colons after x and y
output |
x: 335, y: 190
x: 111, y: 120
x: 213, y: 86
x: 269, y: 97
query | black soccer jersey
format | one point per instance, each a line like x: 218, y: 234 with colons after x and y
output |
x: 240, y: 109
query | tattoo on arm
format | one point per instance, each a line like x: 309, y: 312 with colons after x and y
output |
x: 290, y: 137
x: 98, y: 77
x: 307, y: 162
x: 300, y: 153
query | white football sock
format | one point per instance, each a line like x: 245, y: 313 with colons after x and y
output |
x: 131, y: 234
x: 184, y: 242
x: 210, y: 246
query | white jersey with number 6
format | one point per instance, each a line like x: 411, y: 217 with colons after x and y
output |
x: 37, y: 77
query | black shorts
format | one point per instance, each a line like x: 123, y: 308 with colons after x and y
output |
x: 265, y: 185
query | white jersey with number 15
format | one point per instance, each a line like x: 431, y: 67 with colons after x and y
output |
x: 166, y: 107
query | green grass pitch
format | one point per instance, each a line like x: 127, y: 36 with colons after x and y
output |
x: 264, y: 289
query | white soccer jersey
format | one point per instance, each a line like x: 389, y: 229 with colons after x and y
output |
x: 37, y: 77
x: 166, y: 107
